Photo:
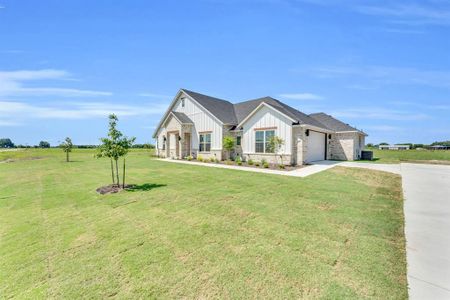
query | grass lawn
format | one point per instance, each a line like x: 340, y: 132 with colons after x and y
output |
x: 197, y: 232
x: 424, y: 156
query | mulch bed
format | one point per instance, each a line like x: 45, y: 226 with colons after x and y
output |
x: 113, y: 188
x: 246, y: 165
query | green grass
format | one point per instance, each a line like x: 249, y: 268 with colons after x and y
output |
x: 424, y: 156
x: 196, y: 232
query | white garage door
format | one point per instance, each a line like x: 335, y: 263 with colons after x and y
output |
x: 316, y: 146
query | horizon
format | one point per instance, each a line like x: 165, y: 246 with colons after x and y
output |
x: 382, y: 67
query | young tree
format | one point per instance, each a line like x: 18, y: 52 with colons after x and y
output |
x: 67, y: 147
x: 116, y: 145
x: 228, y: 144
x: 275, y: 144
x: 44, y: 144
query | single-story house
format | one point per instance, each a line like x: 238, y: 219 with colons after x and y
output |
x: 394, y: 147
x: 195, y: 124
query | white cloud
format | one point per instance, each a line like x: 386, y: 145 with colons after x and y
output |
x: 6, y: 123
x: 301, y: 96
x: 384, y: 128
x: 12, y: 84
x: 381, y: 75
x: 379, y: 114
x: 152, y: 95
x: 410, y: 14
x: 11, y: 110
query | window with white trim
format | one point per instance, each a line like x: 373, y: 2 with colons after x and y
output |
x: 262, y: 139
x: 182, y: 102
x: 205, y: 142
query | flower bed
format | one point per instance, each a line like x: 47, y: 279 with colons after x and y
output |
x: 249, y: 164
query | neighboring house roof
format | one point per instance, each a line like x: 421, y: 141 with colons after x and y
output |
x: 221, y: 109
x: 332, y: 123
x: 182, y: 118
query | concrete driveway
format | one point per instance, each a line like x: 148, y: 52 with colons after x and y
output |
x: 426, y: 189
x: 427, y: 219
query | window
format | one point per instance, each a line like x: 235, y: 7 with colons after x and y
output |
x: 262, y: 139
x: 164, y: 143
x: 205, y: 142
x: 238, y: 140
x: 182, y: 102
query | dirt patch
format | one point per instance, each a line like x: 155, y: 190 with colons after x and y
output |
x: 113, y: 188
x: 11, y: 160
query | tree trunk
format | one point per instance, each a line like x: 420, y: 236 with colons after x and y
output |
x: 123, y: 174
x: 112, y: 172
x: 117, y: 172
x: 67, y: 156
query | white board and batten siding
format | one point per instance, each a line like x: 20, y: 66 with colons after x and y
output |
x: 267, y: 118
x: 203, y: 121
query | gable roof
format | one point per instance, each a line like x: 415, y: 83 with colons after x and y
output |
x: 181, y: 117
x: 234, y: 114
x: 243, y: 109
x: 221, y: 109
x: 332, y: 123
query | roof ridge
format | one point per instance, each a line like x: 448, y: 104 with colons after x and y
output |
x: 220, y: 99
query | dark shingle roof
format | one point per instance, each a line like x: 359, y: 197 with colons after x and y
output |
x: 221, y: 109
x: 182, y: 117
x: 242, y: 110
x: 234, y: 114
x: 332, y: 123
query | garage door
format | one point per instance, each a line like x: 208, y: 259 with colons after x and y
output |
x: 316, y: 146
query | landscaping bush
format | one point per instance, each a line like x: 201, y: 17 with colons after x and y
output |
x: 281, y: 166
x: 189, y: 158
x: 200, y: 158
x: 263, y: 161
x: 266, y: 165
x: 238, y: 160
x: 250, y: 162
x: 257, y: 163
x: 229, y: 162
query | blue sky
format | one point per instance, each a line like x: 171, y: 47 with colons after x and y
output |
x: 382, y: 66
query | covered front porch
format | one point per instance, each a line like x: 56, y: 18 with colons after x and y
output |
x: 178, y: 139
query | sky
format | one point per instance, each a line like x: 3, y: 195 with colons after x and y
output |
x: 381, y: 66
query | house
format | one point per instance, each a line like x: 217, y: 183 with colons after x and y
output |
x: 394, y: 147
x: 195, y: 124
x: 439, y: 147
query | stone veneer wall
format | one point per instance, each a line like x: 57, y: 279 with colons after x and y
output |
x: 342, y: 146
x: 299, y: 147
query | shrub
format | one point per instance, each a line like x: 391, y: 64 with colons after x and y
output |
x: 189, y: 158
x: 200, y: 158
x: 257, y: 163
x: 266, y: 165
x: 217, y: 160
x: 229, y: 162
x: 281, y: 166
x: 250, y: 162
x: 263, y: 161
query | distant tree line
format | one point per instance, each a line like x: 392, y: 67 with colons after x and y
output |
x: 7, y: 143
x: 411, y: 145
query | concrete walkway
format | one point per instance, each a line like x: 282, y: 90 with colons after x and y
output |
x: 301, y: 172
